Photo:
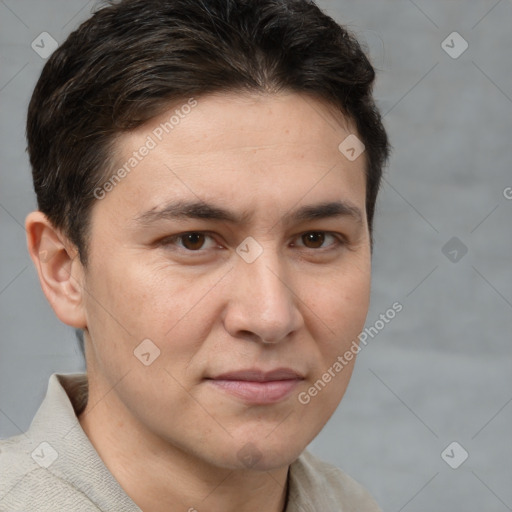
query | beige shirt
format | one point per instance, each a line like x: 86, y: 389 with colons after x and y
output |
x: 54, y: 467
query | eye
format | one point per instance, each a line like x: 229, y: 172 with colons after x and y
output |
x: 315, y: 239
x: 192, y: 241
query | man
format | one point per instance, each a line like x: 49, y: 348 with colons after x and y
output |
x: 206, y: 175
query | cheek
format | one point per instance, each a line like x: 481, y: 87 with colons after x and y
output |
x: 136, y: 298
x: 342, y: 300
x: 342, y: 307
x: 131, y: 302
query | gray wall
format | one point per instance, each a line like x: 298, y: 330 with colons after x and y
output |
x: 440, y: 371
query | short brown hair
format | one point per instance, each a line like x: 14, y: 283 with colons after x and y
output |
x: 133, y: 58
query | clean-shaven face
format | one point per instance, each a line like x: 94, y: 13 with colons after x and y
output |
x: 238, y: 248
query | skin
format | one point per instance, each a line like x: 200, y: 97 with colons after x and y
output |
x: 172, y: 439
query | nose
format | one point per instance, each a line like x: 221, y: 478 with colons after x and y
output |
x: 262, y: 302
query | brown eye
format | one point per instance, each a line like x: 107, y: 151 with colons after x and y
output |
x: 192, y: 241
x: 316, y: 240
x: 313, y: 240
x: 187, y: 243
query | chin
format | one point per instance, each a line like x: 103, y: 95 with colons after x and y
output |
x: 262, y: 455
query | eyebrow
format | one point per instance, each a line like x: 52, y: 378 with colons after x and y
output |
x: 182, y: 209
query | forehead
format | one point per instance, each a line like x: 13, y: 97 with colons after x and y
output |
x: 246, y: 150
x: 237, y: 119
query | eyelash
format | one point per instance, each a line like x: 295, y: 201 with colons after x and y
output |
x: 171, y: 240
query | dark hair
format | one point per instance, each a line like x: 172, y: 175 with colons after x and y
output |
x: 133, y: 58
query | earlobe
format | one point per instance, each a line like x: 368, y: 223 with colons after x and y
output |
x: 59, y: 269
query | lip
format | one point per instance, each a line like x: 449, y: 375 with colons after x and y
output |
x: 258, y: 387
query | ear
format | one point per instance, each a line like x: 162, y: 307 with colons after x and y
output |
x: 60, y: 271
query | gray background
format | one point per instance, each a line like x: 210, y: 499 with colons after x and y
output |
x: 441, y: 370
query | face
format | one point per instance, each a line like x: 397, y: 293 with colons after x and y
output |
x: 229, y: 269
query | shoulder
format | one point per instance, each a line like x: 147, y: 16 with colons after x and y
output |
x: 318, y: 484
x: 26, y: 484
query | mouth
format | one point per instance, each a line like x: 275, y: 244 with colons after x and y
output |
x: 257, y: 387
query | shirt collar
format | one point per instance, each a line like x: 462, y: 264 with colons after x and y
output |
x: 77, y: 461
